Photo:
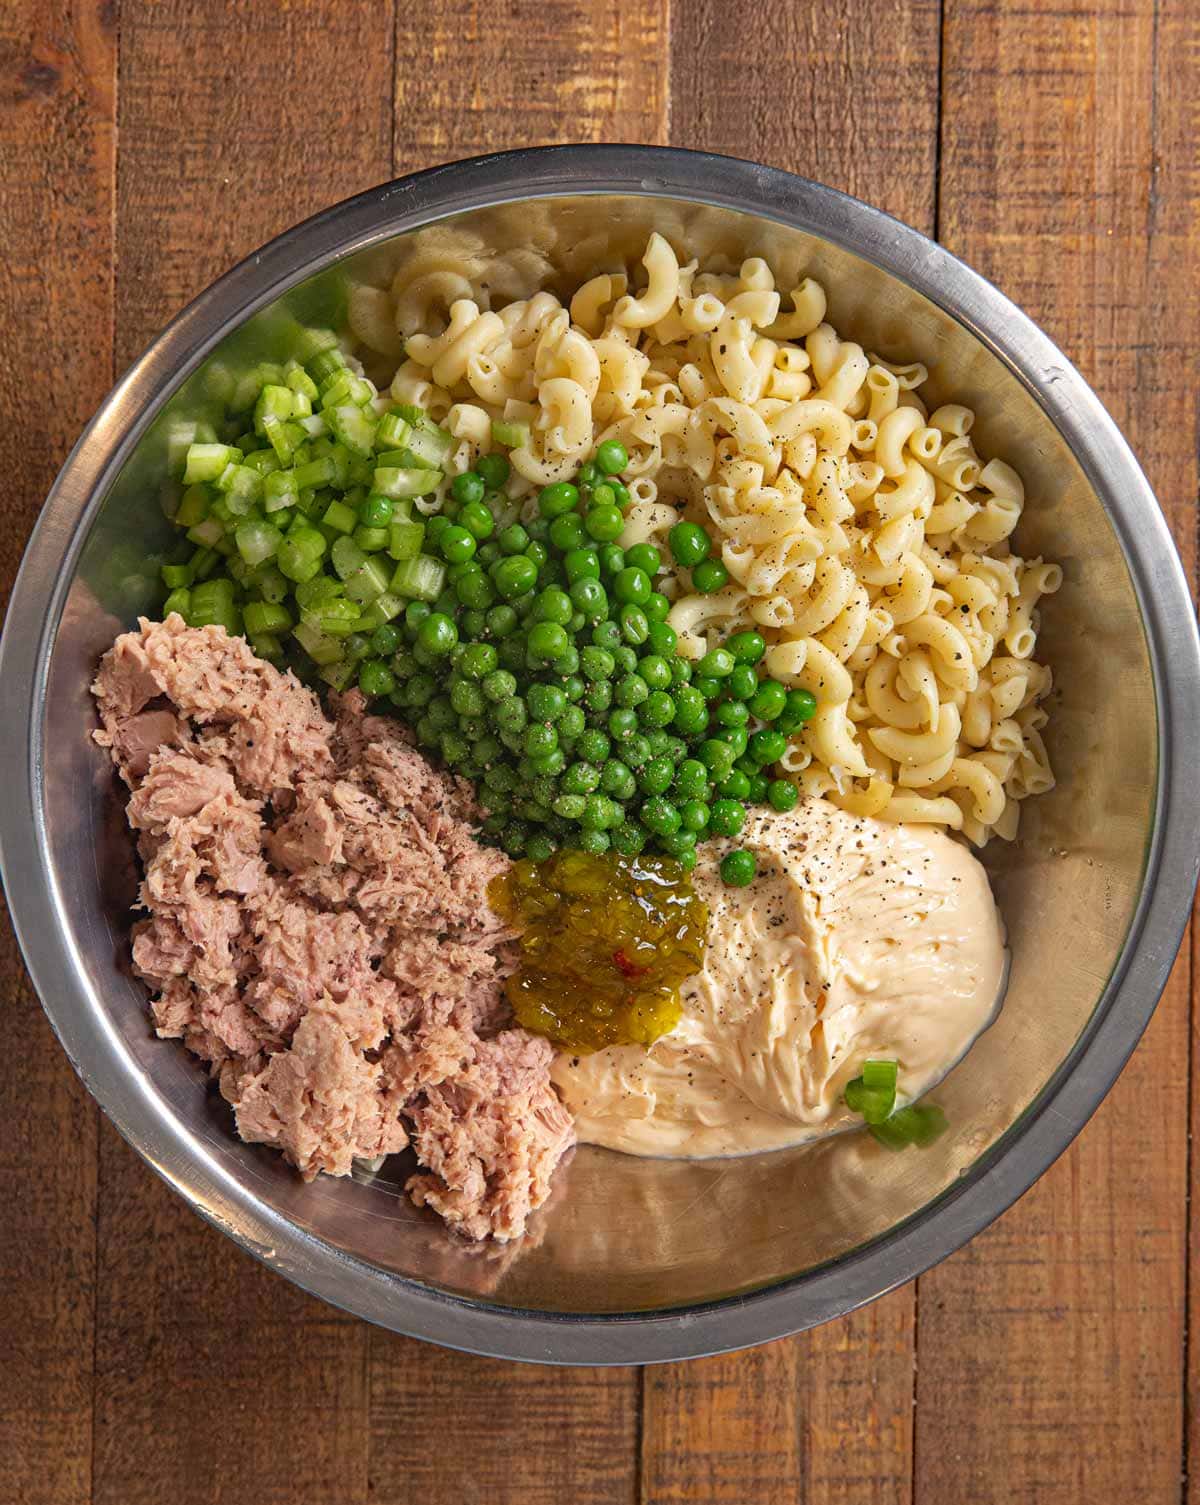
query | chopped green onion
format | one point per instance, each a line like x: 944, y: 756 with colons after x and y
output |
x: 874, y: 1103
x: 918, y: 1123
x: 880, y: 1074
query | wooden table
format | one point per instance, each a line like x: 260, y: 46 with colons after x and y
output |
x: 145, y: 146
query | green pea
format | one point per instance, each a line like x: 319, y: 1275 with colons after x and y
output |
x: 375, y: 678
x: 643, y: 556
x: 566, y: 663
x: 573, y: 686
x: 662, y: 638
x: 801, y: 706
x: 582, y: 564
x: 738, y: 868
x: 678, y: 843
x: 356, y: 647
x: 549, y: 764
x: 442, y: 715
x: 474, y: 589
x: 611, y: 457
x: 590, y: 597
x: 514, y: 576
x: 385, y: 640
x: 604, y: 523
x: 593, y: 841
x: 545, y: 702
x: 769, y: 700
x: 467, y: 698
x: 569, y: 806
x: 477, y: 519
x: 437, y: 634
x: 656, y: 776
x: 655, y: 670
x: 510, y: 715
x: 468, y: 487
x: 681, y: 671
x: 767, y: 747
x: 555, y: 500
x: 553, y: 605
x: 499, y: 685
x: 716, y: 664
x: 736, y: 786
x: 414, y: 614
x: 710, y: 576
x: 457, y: 545
x: 494, y: 469
x: 711, y: 689
x: 571, y: 722
x: 635, y: 625
x: 434, y: 528
x: 727, y: 817
x: 759, y: 786
x: 747, y: 647
x: 617, y: 780
x: 594, y: 745
x: 612, y: 559
x: 691, y: 711
x: 631, y: 690
x: 622, y: 723
x: 695, y: 815
x: 589, y: 473
x: 733, y: 713
x: 539, y: 739
x: 514, y: 837
x: 742, y: 683
x: 690, y: 545
x: 376, y: 511
x: 656, y: 606
x: 538, y: 529
x: 501, y: 621
x: 567, y: 533
x: 607, y: 635
x: 546, y: 641
x: 537, y: 552
x: 631, y: 585
x: 420, y: 690
x: 596, y: 663
x: 659, y: 815
x: 539, y: 847
x: 628, y: 838
x: 625, y: 659
x: 620, y: 493
x: 514, y: 539
x: 717, y: 756
x: 580, y: 777
x: 599, y: 813
x: 736, y: 736
x: 691, y: 779
x: 636, y: 750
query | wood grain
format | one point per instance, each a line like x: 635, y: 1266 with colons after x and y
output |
x: 57, y: 74
x: 217, y: 1382
x: 473, y: 78
x: 1054, y: 1341
x: 827, y: 1415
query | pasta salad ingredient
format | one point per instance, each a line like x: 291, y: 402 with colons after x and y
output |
x: 849, y: 520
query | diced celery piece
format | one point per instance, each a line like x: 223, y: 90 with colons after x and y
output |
x: 514, y: 435
x: 393, y: 482
x: 419, y: 579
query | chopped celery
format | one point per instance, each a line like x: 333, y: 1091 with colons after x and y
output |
x: 338, y: 515
x: 262, y: 616
x: 205, y: 462
x: 419, y: 579
x: 392, y: 482
x: 405, y: 539
x: 193, y: 507
x: 371, y: 540
x: 321, y: 648
x: 513, y: 435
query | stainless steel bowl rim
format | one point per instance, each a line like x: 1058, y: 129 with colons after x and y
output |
x: 1029, y: 1146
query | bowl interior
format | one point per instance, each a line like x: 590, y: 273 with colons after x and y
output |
x: 621, y: 1234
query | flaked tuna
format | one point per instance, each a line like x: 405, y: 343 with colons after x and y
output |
x: 318, y: 930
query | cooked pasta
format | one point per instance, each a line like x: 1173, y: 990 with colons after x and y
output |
x: 862, y: 534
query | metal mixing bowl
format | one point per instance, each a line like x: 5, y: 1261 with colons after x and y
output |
x: 642, y: 1260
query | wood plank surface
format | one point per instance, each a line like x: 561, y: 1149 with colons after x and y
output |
x: 1054, y: 147
x: 524, y: 74
x: 57, y: 76
x: 216, y: 1381
x: 828, y: 1415
x: 1050, y: 1349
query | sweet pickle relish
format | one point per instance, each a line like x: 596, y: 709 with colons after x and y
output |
x: 606, y: 941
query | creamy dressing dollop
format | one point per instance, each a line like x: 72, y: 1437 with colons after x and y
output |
x: 857, y: 939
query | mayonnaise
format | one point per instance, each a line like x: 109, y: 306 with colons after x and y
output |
x: 857, y: 939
